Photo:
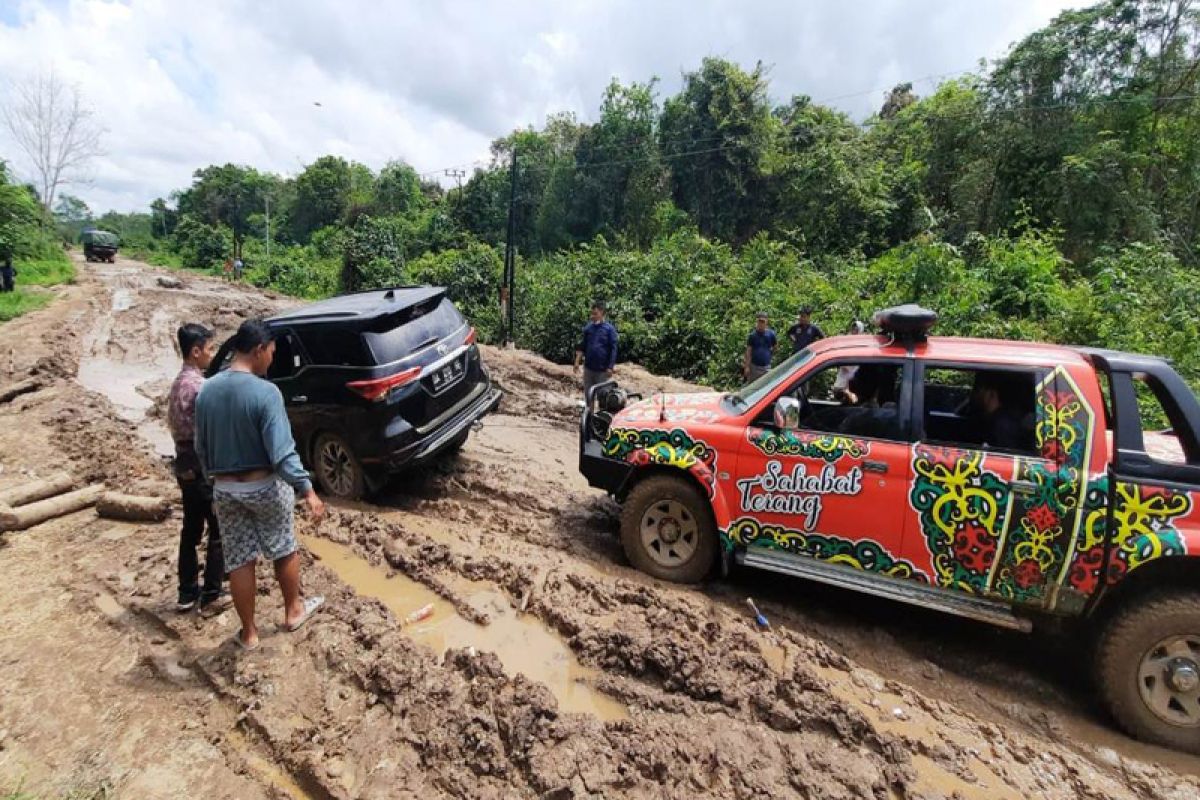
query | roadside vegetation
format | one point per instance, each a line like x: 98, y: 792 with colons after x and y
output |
x: 1053, y: 194
x: 28, y: 235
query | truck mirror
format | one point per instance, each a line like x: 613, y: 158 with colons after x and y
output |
x: 787, y: 413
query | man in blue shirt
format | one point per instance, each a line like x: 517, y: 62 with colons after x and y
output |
x: 760, y: 348
x: 598, y: 349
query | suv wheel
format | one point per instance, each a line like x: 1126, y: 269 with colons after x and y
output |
x: 667, y: 529
x: 1148, y: 668
x: 336, y: 468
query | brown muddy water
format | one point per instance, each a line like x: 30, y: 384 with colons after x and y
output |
x: 522, y: 643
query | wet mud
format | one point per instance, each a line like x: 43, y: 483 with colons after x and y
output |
x: 548, y: 668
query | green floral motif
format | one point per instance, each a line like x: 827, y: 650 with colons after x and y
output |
x: 957, y: 499
x: 827, y: 447
x: 670, y: 448
x: 865, y: 554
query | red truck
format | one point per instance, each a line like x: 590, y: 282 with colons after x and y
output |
x: 998, y: 480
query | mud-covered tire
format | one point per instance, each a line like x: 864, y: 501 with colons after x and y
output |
x: 659, y: 516
x: 1128, y: 650
x: 337, y: 469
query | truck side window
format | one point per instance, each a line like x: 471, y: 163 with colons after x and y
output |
x: 980, y: 408
x: 854, y: 399
x: 1159, y: 440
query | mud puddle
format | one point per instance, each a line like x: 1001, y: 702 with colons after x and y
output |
x: 521, y: 642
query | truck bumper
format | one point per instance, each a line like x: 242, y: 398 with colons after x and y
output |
x: 601, y: 471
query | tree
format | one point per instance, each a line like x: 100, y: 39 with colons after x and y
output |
x: 398, y: 190
x: 714, y: 135
x: 18, y: 212
x: 53, y: 126
x: 72, y: 215
x: 226, y: 195
x: 322, y: 196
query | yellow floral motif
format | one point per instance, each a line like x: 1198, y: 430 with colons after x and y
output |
x: 663, y: 453
x: 1055, y: 424
x: 967, y: 500
x: 1135, y: 516
x: 1037, y: 544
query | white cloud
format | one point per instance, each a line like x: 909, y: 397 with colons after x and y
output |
x: 181, y: 84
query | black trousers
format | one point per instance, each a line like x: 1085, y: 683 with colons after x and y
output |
x: 198, y: 510
x: 6, y: 279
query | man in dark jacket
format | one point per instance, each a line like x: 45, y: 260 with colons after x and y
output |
x: 597, y: 351
x: 804, y: 333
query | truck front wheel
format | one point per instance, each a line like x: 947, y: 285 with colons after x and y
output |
x: 1148, y: 669
x: 667, y: 529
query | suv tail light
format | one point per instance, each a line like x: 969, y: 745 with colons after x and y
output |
x: 377, y: 388
x: 470, y: 337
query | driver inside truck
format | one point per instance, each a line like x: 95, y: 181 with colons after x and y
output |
x: 872, y: 393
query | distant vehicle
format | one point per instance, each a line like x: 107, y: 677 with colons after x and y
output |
x: 99, y: 245
x: 998, y: 480
x: 375, y: 382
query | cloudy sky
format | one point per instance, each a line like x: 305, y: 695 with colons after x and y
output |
x: 182, y: 83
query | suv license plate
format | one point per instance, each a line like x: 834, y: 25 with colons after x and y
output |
x: 447, y: 375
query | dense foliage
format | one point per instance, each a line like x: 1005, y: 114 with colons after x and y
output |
x: 1055, y: 194
x: 27, y: 237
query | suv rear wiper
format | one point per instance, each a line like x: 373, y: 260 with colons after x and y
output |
x: 427, y: 342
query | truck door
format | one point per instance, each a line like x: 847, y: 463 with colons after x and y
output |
x: 834, y: 488
x: 998, y: 472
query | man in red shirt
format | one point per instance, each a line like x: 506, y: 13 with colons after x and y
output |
x: 198, y: 346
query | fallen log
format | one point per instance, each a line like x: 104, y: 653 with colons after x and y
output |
x: 18, y: 519
x: 19, y: 388
x: 37, y: 490
x: 132, y: 507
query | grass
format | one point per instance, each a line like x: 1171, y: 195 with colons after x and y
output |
x: 157, y: 258
x: 34, y: 273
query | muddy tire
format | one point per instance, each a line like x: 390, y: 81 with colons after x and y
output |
x: 1148, y: 669
x: 337, y: 470
x: 667, y: 529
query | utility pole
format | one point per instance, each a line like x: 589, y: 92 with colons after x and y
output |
x: 458, y: 175
x: 510, y: 254
x: 268, y: 197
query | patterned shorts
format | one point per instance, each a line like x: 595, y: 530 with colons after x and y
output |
x: 255, y: 517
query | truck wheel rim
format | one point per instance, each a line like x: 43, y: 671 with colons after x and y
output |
x: 1169, y: 680
x: 337, y: 468
x: 669, y: 533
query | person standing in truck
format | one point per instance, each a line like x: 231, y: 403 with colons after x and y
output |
x: 597, y: 351
x: 804, y: 333
x: 198, y: 346
x: 244, y: 443
x: 760, y: 348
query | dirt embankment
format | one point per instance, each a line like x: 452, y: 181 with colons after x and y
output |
x: 608, y: 684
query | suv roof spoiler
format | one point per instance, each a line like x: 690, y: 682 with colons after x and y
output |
x: 364, y: 307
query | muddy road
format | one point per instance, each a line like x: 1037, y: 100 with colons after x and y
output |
x: 607, y: 684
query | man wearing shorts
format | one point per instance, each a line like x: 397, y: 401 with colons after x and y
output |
x: 245, y: 445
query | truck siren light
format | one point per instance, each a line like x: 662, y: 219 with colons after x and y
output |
x: 908, y: 322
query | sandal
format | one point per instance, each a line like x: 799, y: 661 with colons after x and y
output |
x: 249, y: 648
x: 311, y: 604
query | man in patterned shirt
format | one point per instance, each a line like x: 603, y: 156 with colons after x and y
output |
x: 198, y: 346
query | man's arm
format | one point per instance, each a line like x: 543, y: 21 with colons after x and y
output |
x: 612, y: 348
x: 198, y: 439
x: 818, y: 333
x: 580, y: 348
x: 281, y: 450
x: 746, y: 361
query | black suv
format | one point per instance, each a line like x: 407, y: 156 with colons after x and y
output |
x: 376, y: 381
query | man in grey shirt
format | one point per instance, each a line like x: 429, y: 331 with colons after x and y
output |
x: 244, y: 444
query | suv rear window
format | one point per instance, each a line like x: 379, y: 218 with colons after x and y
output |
x: 335, y: 347
x: 414, y: 329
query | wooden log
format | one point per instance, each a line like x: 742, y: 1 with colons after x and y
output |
x: 114, y: 505
x: 37, y: 490
x: 19, y: 388
x: 18, y: 519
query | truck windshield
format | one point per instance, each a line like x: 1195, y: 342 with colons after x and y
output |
x: 756, y: 390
